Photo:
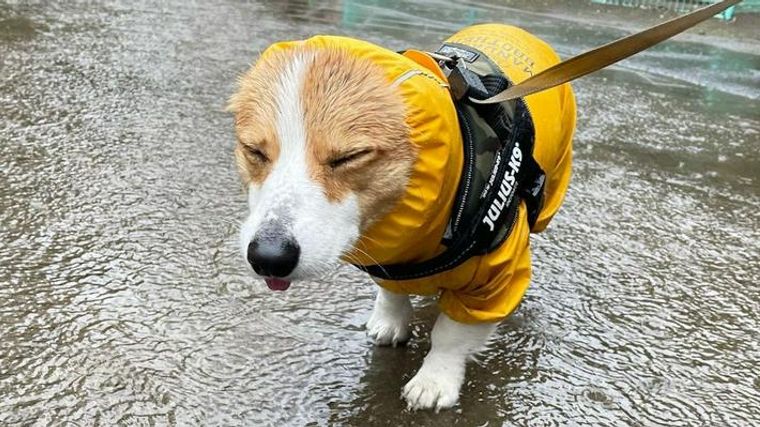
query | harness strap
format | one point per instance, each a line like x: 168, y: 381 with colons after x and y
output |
x: 469, y: 241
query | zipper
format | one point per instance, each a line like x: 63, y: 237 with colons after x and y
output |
x: 470, y: 166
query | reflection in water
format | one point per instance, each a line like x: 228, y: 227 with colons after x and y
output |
x: 123, y: 298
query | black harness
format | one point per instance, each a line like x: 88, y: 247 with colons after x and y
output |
x: 499, y: 168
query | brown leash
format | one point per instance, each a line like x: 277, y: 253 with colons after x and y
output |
x: 608, y: 54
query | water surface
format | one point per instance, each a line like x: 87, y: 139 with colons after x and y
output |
x: 123, y: 299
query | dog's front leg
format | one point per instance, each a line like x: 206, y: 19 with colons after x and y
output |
x: 438, y: 381
x: 389, y: 322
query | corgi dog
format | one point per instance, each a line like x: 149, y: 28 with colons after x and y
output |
x: 350, y: 152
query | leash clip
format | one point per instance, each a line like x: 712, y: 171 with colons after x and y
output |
x: 464, y: 83
x: 443, y: 59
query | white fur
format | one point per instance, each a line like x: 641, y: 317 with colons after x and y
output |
x: 389, y: 322
x: 323, y: 230
x: 436, y: 385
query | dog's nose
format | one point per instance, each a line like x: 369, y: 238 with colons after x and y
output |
x: 273, y: 253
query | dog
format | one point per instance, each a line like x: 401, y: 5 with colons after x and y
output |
x: 350, y: 152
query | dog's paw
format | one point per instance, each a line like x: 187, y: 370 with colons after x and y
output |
x: 434, y: 388
x: 388, y: 327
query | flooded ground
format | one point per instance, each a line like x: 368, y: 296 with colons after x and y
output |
x: 123, y: 300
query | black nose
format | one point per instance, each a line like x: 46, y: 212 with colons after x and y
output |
x: 273, y: 252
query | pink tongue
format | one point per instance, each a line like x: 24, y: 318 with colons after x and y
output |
x: 277, y: 284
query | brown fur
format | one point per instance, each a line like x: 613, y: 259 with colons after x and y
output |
x: 349, y: 107
x: 255, y: 113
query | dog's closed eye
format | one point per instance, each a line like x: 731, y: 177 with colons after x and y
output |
x: 256, y: 153
x: 345, y: 159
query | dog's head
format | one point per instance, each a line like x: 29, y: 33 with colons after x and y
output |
x: 323, y: 151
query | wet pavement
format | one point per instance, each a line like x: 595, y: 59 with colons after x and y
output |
x: 123, y: 299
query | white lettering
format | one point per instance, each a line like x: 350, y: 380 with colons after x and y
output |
x: 505, y: 188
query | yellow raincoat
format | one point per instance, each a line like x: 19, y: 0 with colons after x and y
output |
x: 484, y: 288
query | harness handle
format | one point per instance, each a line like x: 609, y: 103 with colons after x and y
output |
x: 594, y: 60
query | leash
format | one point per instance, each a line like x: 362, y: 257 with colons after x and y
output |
x: 608, y: 54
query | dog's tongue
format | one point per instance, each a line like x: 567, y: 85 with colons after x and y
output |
x: 276, y: 284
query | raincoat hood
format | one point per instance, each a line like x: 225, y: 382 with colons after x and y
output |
x: 412, y: 230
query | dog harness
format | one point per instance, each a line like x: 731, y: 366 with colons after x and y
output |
x: 499, y: 169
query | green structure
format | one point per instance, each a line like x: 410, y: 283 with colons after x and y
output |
x: 686, y: 5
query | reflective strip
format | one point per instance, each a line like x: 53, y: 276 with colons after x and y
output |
x: 404, y: 77
x: 411, y: 73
